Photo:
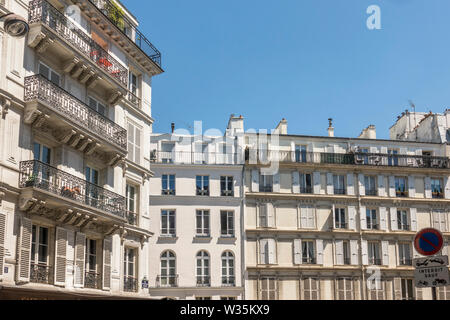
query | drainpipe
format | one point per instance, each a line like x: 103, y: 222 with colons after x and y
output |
x: 363, y: 292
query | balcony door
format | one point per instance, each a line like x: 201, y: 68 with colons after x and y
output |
x: 40, y: 269
x: 41, y: 171
x: 49, y: 74
x: 129, y: 268
x: 92, y: 178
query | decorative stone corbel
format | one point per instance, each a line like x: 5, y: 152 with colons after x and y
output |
x: 113, y: 160
x: 75, y: 140
x: 114, y: 96
x: 88, y: 223
x: 110, y: 231
x: 91, y: 148
x: 123, y: 234
x: 65, y: 135
x: 92, y: 82
x: 26, y: 203
x: 40, y: 121
x: 70, y: 64
x: 83, y: 144
x: 62, y: 216
x: 44, y: 44
x: 71, y: 219
x: 2, y: 194
x: 145, y: 177
x: 86, y: 75
x: 144, y: 239
x: 34, y: 41
x: 78, y: 70
x: 124, y: 167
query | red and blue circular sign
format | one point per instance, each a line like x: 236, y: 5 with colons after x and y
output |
x: 428, y: 242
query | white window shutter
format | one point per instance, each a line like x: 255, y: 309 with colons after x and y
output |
x: 413, y: 217
x: 447, y: 188
x: 311, y: 211
x: 428, y: 193
x: 339, y: 252
x: 317, y: 182
x: 319, y: 249
x: 436, y: 220
x: 107, y: 252
x: 416, y: 255
x: 2, y: 242
x: 330, y: 183
x: 352, y: 217
x: 362, y: 186
x: 385, y: 252
x: 255, y: 181
x: 304, y: 217
x: 61, y: 257
x: 80, y: 254
x: 137, y: 148
x: 363, y: 217
x: 24, y: 258
x: 365, y: 252
x: 392, y: 192
x: 412, y: 187
x: 394, y: 222
x: 295, y: 182
x: 383, y: 219
x: 272, y: 251
x: 397, y: 289
x: 270, y: 215
x: 263, y: 215
x: 381, y: 187
x: 297, y: 251
x: 276, y: 182
x: 263, y: 251
x: 354, y: 252
x: 350, y: 184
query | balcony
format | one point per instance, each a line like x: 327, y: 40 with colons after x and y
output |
x: 41, y: 273
x: 134, y: 99
x: 347, y: 261
x: 76, y: 123
x: 401, y: 194
x: 181, y: 157
x: 167, y: 281
x: 92, y: 280
x: 202, y: 192
x: 403, y: 227
x: 38, y: 176
x: 47, y: 23
x: 438, y: 195
x: 130, y: 284
x: 203, y: 281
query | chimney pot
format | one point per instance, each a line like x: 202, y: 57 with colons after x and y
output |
x: 172, y: 127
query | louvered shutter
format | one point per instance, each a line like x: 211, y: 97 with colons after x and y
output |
x: 317, y: 182
x: 381, y: 187
x: 397, y: 289
x: 392, y: 192
x: 350, y: 184
x: 413, y: 214
x: 61, y: 257
x: 2, y: 242
x: 276, y: 182
x: 107, y: 252
x: 304, y: 217
x: 383, y: 219
x: 297, y: 251
x: 255, y: 181
x: 363, y: 216
x: 447, y: 188
x: 385, y: 252
x: 137, y: 147
x: 352, y: 218
x: 436, y: 220
x: 307, y: 289
x: 311, y: 218
x: 394, y: 221
x: 330, y: 183
x: 296, y: 182
x: 362, y: 186
x: 80, y: 254
x: 263, y: 215
x: 339, y: 252
x: 365, y: 252
x: 319, y: 249
x: 270, y: 215
x: 263, y: 251
x: 412, y: 187
x: 272, y: 251
x: 419, y: 294
x: 428, y: 193
x: 26, y: 229
x: 416, y: 255
x: 354, y: 252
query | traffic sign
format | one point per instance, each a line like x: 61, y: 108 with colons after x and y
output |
x: 432, y: 277
x: 431, y: 262
x: 428, y: 242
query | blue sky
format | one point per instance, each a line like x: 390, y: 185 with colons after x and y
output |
x: 303, y: 60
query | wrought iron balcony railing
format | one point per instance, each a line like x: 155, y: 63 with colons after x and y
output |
x: 406, y: 262
x: 133, y: 218
x: 43, y: 12
x: 167, y: 281
x: 134, y: 99
x: 41, y: 273
x: 182, y: 157
x: 375, y: 262
x: 341, y: 225
x: 403, y: 227
x: 62, y: 102
x: 266, y: 189
x: 371, y: 192
x: 306, y: 190
x: 168, y: 192
x: 203, y: 281
x: 92, y: 280
x: 228, y: 281
x: 309, y: 260
x: 117, y: 17
x: 130, y: 284
x: 36, y: 174
x: 226, y: 193
x: 340, y: 191
x: 438, y: 195
x: 372, y: 226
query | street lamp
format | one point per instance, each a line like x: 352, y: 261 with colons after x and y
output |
x: 15, y: 25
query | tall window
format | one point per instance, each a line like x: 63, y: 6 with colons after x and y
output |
x: 340, y: 219
x: 268, y: 289
x: 202, y: 221
x: 226, y: 186
x: 203, y: 274
x: 168, y: 228
x: 305, y: 183
x: 377, y: 290
x: 370, y: 185
x: 42, y: 153
x: 49, y: 74
x: 372, y: 219
x: 168, y: 184
x: 265, y: 183
x: 134, y: 143
x: 407, y: 289
x: 344, y: 289
x: 393, y: 157
x: 134, y: 84
x: 402, y: 219
x: 300, y: 153
x: 404, y: 251
x: 227, y: 223
x: 347, y: 255
x: 168, y: 276
x: 436, y: 188
x: 132, y: 204
x: 308, y: 252
x: 92, y: 279
x: 97, y: 106
x: 202, y: 185
x: 92, y: 177
x: 228, y: 277
x: 400, y: 187
x: 39, y: 255
x: 339, y: 184
x: 440, y: 220
x: 311, y: 288
x: 129, y: 266
x: 374, y: 253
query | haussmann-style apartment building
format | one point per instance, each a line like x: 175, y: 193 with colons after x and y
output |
x: 75, y: 130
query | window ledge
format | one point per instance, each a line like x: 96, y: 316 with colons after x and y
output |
x: 233, y: 238
x: 167, y: 237
x: 203, y: 238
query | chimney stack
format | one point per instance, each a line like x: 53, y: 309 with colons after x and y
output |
x: 330, y: 128
x: 173, y: 127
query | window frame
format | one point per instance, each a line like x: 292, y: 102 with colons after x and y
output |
x: 230, y: 231
x: 205, y: 228
x: 200, y: 189
x: 227, y: 191
x: 169, y: 213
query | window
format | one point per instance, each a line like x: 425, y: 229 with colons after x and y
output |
x: 130, y: 282
x: 407, y: 289
x: 305, y: 183
x: 340, y: 220
x: 167, y: 152
x: 202, y: 185
x: 440, y: 220
x: 339, y: 184
x: 228, y: 298
x: 49, y: 74
x: 41, y: 174
x: 228, y: 278
x: 311, y: 289
x: 168, y: 223
x: 400, y: 187
x: 92, y: 195
x: 346, y: 251
x: 365, y: 158
x: 402, y: 220
x: 266, y: 215
x: 202, y: 221
x: 374, y: 253
x: 265, y: 183
x: 436, y: 189
x: 268, y: 289
x: 132, y: 204
x: 308, y: 252
x: 344, y: 289
x: 168, y: 184
x: 227, y: 223
x: 307, y: 217
x: 168, y: 276
x: 372, y: 219
x: 42, y: 153
x: 226, y: 186
x: 443, y: 293
x: 376, y: 290
x: 203, y: 278
x: 370, y: 185
x: 300, y: 153
x: 40, y: 269
x: 267, y: 251
x: 134, y: 85
x: 393, y: 158
x: 92, y: 277
x: 134, y: 143
x: 97, y: 106
x: 203, y: 298
x: 404, y: 251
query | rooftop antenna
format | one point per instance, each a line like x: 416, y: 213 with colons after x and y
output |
x: 413, y: 106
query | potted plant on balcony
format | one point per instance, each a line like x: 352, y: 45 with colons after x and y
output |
x: 116, y: 14
x: 31, y: 180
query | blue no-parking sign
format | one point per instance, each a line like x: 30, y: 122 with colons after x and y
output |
x: 428, y: 242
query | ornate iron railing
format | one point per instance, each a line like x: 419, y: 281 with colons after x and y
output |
x: 168, y: 281
x: 182, y: 157
x: 406, y: 262
x: 39, y: 88
x: 130, y: 284
x: 92, y: 280
x: 132, y: 218
x: 117, y: 17
x: 40, y: 273
x: 375, y: 261
x: 36, y: 174
x: 134, y: 99
x: 44, y: 12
